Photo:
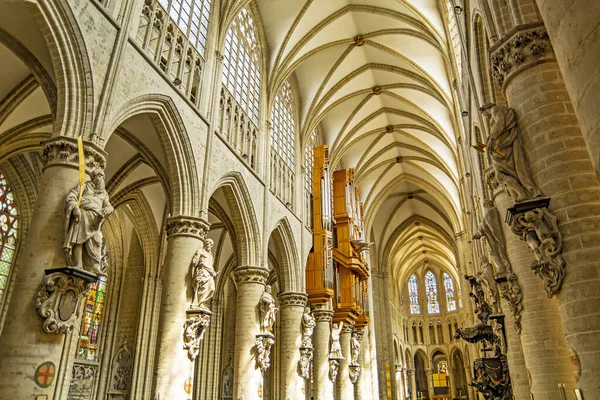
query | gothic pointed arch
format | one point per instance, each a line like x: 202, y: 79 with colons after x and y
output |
x: 288, y: 261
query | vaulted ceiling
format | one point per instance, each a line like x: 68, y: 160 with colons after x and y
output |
x: 374, y: 77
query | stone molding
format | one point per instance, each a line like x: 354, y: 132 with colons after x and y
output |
x: 524, y: 46
x: 323, y: 315
x: 292, y: 299
x: 63, y: 151
x: 187, y: 226
x: 248, y: 274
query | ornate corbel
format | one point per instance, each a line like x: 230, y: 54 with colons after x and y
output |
x: 510, y: 290
x: 194, y: 329
x: 533, y: 223
x: 263, y: 344
x: 60, y: 296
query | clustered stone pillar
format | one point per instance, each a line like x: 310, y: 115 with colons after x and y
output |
x: 343, y: 385
x: 561, y: 167
x: 23, y: 344
x: 413, y: 384
x: 291, y: 309
x: 247, y: 378
x: 185, y: 235
x: 321, y: 337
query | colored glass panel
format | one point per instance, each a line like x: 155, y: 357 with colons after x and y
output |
x: 87, y: 348
x: 8, y: 231
x: 413, y: 294
x: 433, y: 306
x: 450, y: 296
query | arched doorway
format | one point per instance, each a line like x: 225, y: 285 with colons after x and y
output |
x: 421, y: 375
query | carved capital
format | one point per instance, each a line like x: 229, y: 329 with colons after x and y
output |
x: 347, y: 328
x: 323, y: 315
x: 292, y: 299
x: 537, y: 226
x: 64, y: 151
x: 524, y: 46
x: 60, y: 296
x: 251, y: 275
x: 187, y: 226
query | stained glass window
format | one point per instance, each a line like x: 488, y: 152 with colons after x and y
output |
x: 191, y: 16
x: 433, y: 306
x: 450, y: 297
x: 413, y: 294
x: 241, y: 71
x: 442, y: 367
x: 282, y: 117
x: 87, y: 348
x: 8, y: 231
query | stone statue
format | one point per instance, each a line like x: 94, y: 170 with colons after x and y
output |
x: 263, y: 350
x: 336, y: 347
x: 486, y: 277
x: 506, y: 153
x: 228, y: 379
x: 267, y: 311
x: 497, y: 329
x: 203, y: 276
x: 354, y: 348
x: 491, y: 229
x: 83, y: 223
x: 308, y: 326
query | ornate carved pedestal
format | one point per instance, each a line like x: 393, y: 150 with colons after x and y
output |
x: 533, y: 223
x: 306, y: 357
x: 509, y: 289
x: 264, y: 343
x: 334, y: 366
x: 196, y: 322
x: 59, y: 298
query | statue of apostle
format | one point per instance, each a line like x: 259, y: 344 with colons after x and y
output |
x: 336, y: 348
x: 491, y: 229
x: 83, y: 223
x: 203, y: 275
x: 267, y: 311
x: 308, y: 326
x: 506, y: 153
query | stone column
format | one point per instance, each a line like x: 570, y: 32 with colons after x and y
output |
x: 321, y: 336
x: 247, y: 378
x: 343, y: 386
x: 291, y: 309
x: 429, y: 373
x: 24, y: 345
x: 185, y: 235
x: 562, y: 169
x: 413, y: 384
x: 364, y: 362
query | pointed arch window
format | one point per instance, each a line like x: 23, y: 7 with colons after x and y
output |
x: 191, y: 16
x: 8, y: 232
x: 433, y: 306
x: 241, y: 66
x: 283, y: 128
x: 450, y: 294
x: 413, y: 295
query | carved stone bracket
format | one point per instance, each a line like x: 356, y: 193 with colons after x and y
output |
x: 251, y: 275
x: 524, y: 46
x: 194, y: 329
x: 187, y: 226
x: 292, y: 299
x: 510, y: 290
x: 60, y: 296
x: 263, y: 345
x: 334, y: 367
x: 533, y: 223
x: 306, y: 357
x: 63, y: 151
x: 354, y: 372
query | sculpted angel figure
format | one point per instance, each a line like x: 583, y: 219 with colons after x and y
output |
x: 491, y: 229
x: 83, y: 223
x: 506, y: 153
x: 308, y: 326
x: 336, y: 347
x: 267, y: 310
x: 203, y: 275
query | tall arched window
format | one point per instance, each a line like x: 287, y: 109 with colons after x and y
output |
x: 282, y: 145
x: 191, y: 16
x: 309, y: 162
x: 454, y: 38
x: 433, y: 306
x: 8, y: 232
x: 413, y: 295
x: 450, y: 296
x: 241, y: 66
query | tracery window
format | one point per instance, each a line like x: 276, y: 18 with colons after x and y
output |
x: 413, y: 295
x: 282, y: 144
x: 8, y: 232
x: 87, y: 348
x: 241, y: 66
x: 450, y: 295
x: 191, y: 16
x: 433, y: 306
x: 309, y: 163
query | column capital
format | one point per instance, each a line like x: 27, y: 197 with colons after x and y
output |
x: 524, y: 46
x: 182, y: 225
x: 322, y: 315
x: 347, y: 328
x: 248, y: 274
x: 292, y: 299
x: 62, y: 150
